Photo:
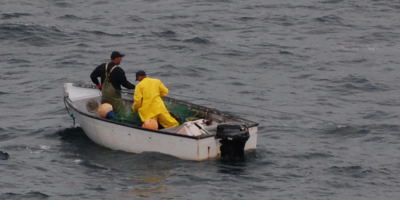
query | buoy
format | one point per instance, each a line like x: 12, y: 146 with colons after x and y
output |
x: 104, y: 109
x: 4, y: 155
x: 151, y: 124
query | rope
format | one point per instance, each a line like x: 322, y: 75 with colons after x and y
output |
x: 69, y: 112
x: 248, y: 106
x: 259, y: 108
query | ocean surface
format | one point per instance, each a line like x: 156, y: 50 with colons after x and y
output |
x: 321, y: 78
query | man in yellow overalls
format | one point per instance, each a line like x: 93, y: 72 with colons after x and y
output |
x: 148, y: 102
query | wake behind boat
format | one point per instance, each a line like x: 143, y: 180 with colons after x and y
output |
x: 204, y: 132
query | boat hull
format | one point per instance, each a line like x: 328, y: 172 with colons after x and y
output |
x: 125, y: 137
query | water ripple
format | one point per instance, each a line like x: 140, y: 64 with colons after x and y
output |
x: 29, y: 195
x: 332, y: 1
x: 355, y: 171
x: 13, y: 15
x: 34, y: 35
x: 197, y: 40
x: 331, y: 20
x: 101, y: 33
x: 70, y: 17
x: 353, y: 83
x: 167, y: 34
x: 348, y: 131
x: 312, y: 155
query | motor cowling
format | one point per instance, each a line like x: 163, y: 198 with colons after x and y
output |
x: 233, y: 138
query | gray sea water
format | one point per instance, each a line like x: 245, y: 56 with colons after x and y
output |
x: 321, y: 77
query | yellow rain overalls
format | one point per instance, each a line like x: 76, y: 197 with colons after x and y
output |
x: 147, y: 100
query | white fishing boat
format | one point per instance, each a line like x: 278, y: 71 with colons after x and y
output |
x: 204, y: 132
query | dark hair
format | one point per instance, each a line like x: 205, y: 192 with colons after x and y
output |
x: 140, y: 73
x: 116, y: 54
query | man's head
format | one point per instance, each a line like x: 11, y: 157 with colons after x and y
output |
x: 140, y: 75
x: 116, y: 57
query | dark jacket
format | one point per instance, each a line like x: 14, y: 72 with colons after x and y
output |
x: 117, y: 77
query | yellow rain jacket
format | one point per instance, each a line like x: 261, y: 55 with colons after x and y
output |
x: 147, y: 98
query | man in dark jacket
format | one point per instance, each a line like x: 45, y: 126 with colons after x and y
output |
x: 112, y: 77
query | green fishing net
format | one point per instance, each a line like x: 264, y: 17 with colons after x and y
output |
x: 181, y: 113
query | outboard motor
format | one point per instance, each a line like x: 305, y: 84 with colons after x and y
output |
x: 233, y: 138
